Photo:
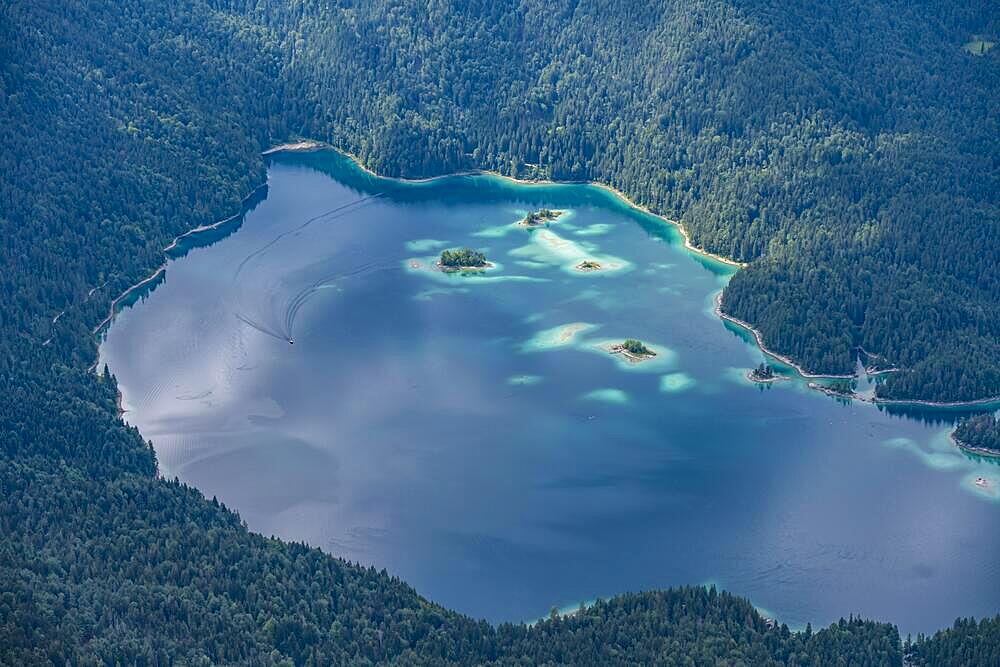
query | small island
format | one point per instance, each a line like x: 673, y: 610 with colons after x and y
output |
x: 633, y: 350
x: 540, y: 217
x: 764, y: 374
x: 979, y: 435
x: 464, y: 259
x: 588, y: 265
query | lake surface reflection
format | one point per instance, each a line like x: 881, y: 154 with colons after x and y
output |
x: 468, y: 434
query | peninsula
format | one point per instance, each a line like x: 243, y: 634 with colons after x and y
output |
x: 979, y: 435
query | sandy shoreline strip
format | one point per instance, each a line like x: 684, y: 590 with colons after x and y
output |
x: 304, y: 146
x: 905, y: 402
x: 457, y: 269
x: 214, y: 225
x: 114, y: 302
x: 933, y: 404
x: 899, y: 402
x: 163, y: 267
x: 759, y: 338
x: 771, y: 380
x: 978, y: 451
x: 297, y: 146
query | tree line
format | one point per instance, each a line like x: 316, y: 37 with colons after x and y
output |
x: 849, y: 153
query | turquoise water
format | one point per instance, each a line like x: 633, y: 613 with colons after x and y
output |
x: 471, y: 433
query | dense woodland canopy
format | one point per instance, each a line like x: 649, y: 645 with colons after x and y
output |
x: 848, y: 151
x: 981, y: 432
x: 462, y: 258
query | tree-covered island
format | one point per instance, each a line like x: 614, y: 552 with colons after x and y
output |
x: 540, y: 217
x: 588, y: 265
x: 462, y: 259
x: 763, y: 373
x: 979, y: 434
x: 634, y: 350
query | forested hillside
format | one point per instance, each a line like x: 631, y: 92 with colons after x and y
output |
x: 849, y: 153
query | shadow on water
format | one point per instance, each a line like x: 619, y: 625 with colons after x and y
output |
x: 203, y: 237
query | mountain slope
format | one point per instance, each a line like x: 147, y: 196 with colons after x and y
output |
x: 849, y: 153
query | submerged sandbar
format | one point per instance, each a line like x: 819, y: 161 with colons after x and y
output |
x: 548, y: 247
x: 560, y: 336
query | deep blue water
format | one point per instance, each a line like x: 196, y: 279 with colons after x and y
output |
x: 453, y: 430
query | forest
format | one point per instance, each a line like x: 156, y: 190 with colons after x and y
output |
x: 849, y: 152
x: 979, y: 432
x: 462, y: 258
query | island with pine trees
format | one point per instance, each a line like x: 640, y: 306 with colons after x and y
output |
x: 539, y: 218
x: 764, y: 374
x: 463, y: 259
x: 632, y: 349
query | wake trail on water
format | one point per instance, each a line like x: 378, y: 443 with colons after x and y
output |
x: 332, y: 214
x: 263, y: 329
x: 300, y: 299
x: 294, y: 305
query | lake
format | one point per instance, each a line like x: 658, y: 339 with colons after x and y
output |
x: 468, y: 433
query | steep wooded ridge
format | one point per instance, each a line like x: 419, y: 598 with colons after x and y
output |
x: 849, y: 153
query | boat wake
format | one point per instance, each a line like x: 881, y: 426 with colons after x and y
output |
x: 303, y: 296
x: 332, y: 214
x: 267, y: 331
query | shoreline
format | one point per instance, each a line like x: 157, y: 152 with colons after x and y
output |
x: 304, y: 146
x: 619, y: 349
x: 829, y: 391
x: 163, y: 267
x: 120, y: 401
x: 463, y: 269
x: 977, y: 451
x: 874, y: 400
x: 676, y: 224
x: 114, y: 302
x: 295, y: 146
x: 933, y: 404
x: 771, y: 380
x: 905, y: 402
x: 309, y: 146
x: 759, y: 338
x: 215, y: 225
